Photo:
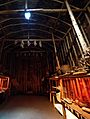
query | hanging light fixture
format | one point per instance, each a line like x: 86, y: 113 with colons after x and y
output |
x: 27, y: 13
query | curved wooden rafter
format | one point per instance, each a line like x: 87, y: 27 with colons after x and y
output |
x: 58, y: 1
x: 9, y: 48
x: 9, y: 33
x: 37, y: 24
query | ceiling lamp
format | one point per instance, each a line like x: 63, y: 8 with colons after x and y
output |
x: 27, y: 15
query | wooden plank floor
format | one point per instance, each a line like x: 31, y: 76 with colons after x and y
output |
x: 29, y: 107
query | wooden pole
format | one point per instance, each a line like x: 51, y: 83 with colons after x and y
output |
x: 76, y: 27
x: 61, y: 89
x: 88, y: 19
x: 84, y: 34
x: 62, y: 53
x: 70, y: 51
x: 57, y: 60
x: 78, y: 42
x: 73, y: 46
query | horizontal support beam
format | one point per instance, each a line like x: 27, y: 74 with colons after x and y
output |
x: 27, y: 30
x: 40, y: 10
x: 31, y: 23
x: 36, y: 39
x: 31, y: 51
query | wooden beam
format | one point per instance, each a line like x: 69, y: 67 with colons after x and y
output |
x: 31, y: 39
x: 40, y: 10
x: 57, y: 59
x: 76, y: 28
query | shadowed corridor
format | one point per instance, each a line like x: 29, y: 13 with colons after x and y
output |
x: 29, y: 107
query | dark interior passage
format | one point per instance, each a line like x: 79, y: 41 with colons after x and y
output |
x: 29, y: 107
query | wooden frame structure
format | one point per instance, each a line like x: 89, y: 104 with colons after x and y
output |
x: 73, y: 88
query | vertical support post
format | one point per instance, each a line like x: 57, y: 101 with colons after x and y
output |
x: 78, y: 43
x: 62, y: 53
x: 61, y: 89
x: 64, y: 49
x: 70, y: 51
x: 76, y: 27
x: 73, y: 47
x: 67, y: 52
x: 1, y: 49
x: 47, y: 61
x: 58, y: 64
x: 88, y: 20
x: 84, y: 33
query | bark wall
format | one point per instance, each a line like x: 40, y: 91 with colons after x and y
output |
x: 28, y: 70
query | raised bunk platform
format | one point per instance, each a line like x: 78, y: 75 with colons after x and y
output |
x: 73, y: 97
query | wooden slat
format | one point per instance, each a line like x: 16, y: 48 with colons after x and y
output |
x: 75, y: 89
x: 65, y: 91
x: 85, y: 90
x: 72, y: 89
x: 68, y: 89
x: 78, y: 88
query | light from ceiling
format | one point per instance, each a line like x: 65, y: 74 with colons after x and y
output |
x: 27, y: 15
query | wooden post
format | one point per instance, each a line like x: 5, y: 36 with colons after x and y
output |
x: 84, y: 34
x: 88, y: 19
x: 70, y: 51
x: 62, y: 52
x: 61, y: 89
x: 73, y: 46
x: 58, y: 64
x: 76, y: 27
x: 78, y: 43
x: 66, y: 51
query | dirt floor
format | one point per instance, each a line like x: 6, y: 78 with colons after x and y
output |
x: 28, y: 107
